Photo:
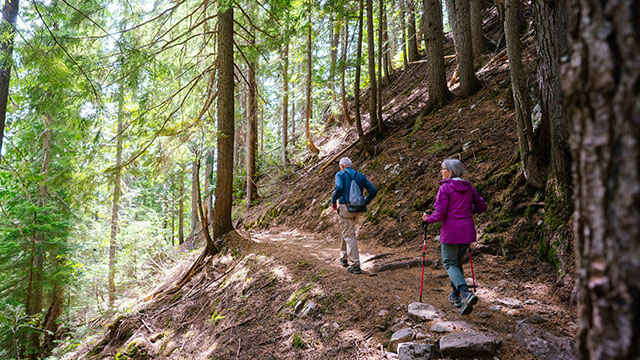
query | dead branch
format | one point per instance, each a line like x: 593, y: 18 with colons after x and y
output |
x: 403, y: 264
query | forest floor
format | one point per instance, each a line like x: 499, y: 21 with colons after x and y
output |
x: 278, y: 291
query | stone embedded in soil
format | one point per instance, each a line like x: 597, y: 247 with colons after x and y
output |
x: 536, y: 319
x: 400, y: 336
x: 484, y: 315
x: 308, y: 309
x: 543, y: 344
x: 383, y: 313
x: 449, y: 326
x: 496, y: 308
x: 423, y: 312
x: 510, y: 302
x: 415, y: 351
x: 531, y: 302
x: 469, y: 344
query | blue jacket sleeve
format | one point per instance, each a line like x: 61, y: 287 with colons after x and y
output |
x: 440, y: 207
x: 337, y: 191
x: 479, y: 205
x: 371, y: 190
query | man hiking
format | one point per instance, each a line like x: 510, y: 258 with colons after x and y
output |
x: 349, y: 202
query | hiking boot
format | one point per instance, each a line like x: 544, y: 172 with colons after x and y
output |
x: 344, y: 262
x: 455, y: 300
x: 354, y: 269
x: 467, y: 303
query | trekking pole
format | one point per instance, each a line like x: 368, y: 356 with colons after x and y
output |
x: 473, y: 276
x: 424, y: 251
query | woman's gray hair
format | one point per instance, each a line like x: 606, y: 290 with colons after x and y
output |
x: 455, y: 167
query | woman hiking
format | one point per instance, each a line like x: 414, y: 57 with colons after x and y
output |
x: 456, y: 202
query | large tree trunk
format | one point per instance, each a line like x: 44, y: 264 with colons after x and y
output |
x: 469, y: 84
x: 412, y: 41
x: 533, y: 171
x: 439, y: 93
x: 195, y: 219
x: 285, y: 100
x: 453, y: 20
x: 7, y: 29
x: 373, y: 88
x: 334, y: 39
x: 343, y: 70
x: 600, y: 82
x: 550, y: 22
x: 208, y: 178
x: 404, y: 28
x: 480, y: 43
x: 252, y: 131
x: 310, y: 143
x: 380, y: 64
x: 356, y: 91
x: 224, y: 172
x: 115, y: 209
x: 386, y: 51
x: 181, y: 208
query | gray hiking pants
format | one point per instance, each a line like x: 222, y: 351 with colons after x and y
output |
x: 348, y: 242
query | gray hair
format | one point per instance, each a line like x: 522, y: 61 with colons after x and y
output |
x: 455, y: 167
x: 346, y: 161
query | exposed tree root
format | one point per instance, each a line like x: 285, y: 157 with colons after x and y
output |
x: 403, y: 264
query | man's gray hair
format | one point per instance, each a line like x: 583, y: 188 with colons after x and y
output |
x: 455, y: 167
x: 345, y: 161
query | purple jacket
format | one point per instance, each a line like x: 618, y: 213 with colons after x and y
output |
x: 455, y: 203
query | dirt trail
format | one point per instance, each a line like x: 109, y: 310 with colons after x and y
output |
x: 376, y: 303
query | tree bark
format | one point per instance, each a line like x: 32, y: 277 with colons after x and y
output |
x: 7, y: 28
x: 469, y: 84
x: 356, y: 91
x: 373, y: 88
x: 479, y: 41
x: 208, y: 178
x: 380, y: 63
x: 334, y: 39
x: 115, y: 209
x: 404, y: 27
x: 310, y: 143
x: 453, y: 20
x: 224, y: 172
x: 386, y: 51
x: 533, y: 171
x: 252, y: 131
x: 181, y: 208
x: 195, y: 219
x: 550, y: 22
x: 411, y: 28
x: 343, y: 70
x: 600, y: 83
x: 285, y: 100
x: 439, y: 93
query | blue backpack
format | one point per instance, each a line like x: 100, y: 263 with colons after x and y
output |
x: 355, y: 202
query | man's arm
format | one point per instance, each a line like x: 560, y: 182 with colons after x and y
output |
x: 371, y: 190
x: 337, y: 191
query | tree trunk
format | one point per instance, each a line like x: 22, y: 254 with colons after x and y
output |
x: 439, y: 93
x: 343, y: 70
x: 479, y: 42
x: 469, y: 84
x: 7, y: 28
x: 600, y: 82
x: 224, y: 172
x: 181, y: 208
x: 533, y: 172
x: 252, y: 132
x: 173, y: 224
x: 453, y: 20
x: 380, y: 64
x: 293, y: 123
x: 386, y: 43
x: 115, y: 209
x: 373, y: 88
x: 310, y: 144
x: 334, y: 37
x: 285, y: 100
x: 356, y: 91
x: 208, y: 178
x: 412, y: 41
x: 195, y: 222
x: 550, y: 22
x: 404, y: 27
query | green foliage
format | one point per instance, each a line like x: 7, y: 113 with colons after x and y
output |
x: 297, y: 342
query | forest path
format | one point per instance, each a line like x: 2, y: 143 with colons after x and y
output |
x: 376, y: 303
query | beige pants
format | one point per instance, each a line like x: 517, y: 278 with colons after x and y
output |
x: 349, y: 242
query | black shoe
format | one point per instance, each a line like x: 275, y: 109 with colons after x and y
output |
x: 467, y: 304
x: 354, y: 269
x: 344, y: 262
x: 455, y: 300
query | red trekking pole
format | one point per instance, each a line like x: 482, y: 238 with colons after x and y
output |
x: 424, y: 251
x: 472, y: 274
